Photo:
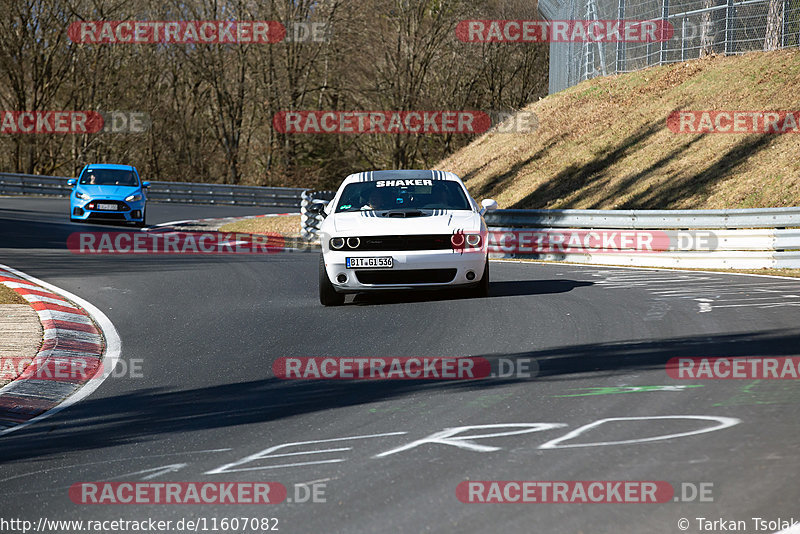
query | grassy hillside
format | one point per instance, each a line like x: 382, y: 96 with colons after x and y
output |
x: 605, y: 144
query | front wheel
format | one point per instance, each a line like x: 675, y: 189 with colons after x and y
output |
x: 327, y: 294
x: 143, y: 222
x: 482, y: 289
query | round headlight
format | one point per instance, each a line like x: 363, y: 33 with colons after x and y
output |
x: 337, y: 243
x: 353, y: 242
x: 457, y: 240
x: 474, y: 240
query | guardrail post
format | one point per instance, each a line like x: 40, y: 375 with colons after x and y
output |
x: 785, y: 32
x: 729, y: 28
x: 309, y: 223
x: 620, y: 67
x: 684, y: 50
x: 662, y: 53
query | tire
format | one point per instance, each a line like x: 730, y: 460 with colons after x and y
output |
x: 327, y: 295
x: 481, y: 291
x: 143, y: 222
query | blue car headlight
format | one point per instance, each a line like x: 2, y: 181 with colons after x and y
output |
x: 82, y: 196
x: 134, y: 197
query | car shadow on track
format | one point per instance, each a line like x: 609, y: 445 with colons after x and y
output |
x: 148, y: 414
x: 514, y: 288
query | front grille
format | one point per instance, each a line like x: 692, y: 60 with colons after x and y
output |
x: 412, y: 276
x: 405, y: 242
x: 110, y: 216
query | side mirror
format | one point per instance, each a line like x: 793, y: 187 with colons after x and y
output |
x: 71, y: 182
x: 317, y: 208
x: 488, y: 204
x: 145, y: 185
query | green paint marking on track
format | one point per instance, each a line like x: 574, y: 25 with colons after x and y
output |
x: 765, y: 392
x: 615, y: 390
x: 488, y: 400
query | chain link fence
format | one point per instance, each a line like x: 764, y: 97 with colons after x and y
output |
x: 700, y: 28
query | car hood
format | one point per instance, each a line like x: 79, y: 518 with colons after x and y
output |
x: 430, y: 222
x: 109, y: 191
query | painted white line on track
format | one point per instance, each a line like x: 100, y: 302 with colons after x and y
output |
x: 722, y: 422
x: 623, y: 267
x: 110, y: 358
x: 92, y: 464
x: 170, y: 223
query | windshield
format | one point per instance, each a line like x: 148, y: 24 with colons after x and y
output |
x: 109, y: 177
x: 403, y: 194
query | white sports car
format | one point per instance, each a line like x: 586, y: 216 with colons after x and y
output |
x: 387, y: 230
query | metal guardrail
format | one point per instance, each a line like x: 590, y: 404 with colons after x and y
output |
x: 177, y: 192
x: 647, y: 219
x: 742, y: 239
x: 734, y: 239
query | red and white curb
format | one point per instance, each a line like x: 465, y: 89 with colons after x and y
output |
x: 75, y: 331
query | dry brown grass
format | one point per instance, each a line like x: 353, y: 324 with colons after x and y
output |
x: 9, y: 296
x: 286, y: 225
x: 604, y: 143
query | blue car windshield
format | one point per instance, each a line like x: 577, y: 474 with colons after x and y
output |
x: 403, y: 194
x: 109, y: 177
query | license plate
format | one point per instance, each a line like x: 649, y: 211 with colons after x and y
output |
x: 370, y: 263
x: 111, y: 207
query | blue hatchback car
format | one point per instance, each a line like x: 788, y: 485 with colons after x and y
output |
x: 108, y: 193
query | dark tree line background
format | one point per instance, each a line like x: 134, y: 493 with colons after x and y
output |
x: 212, y: 105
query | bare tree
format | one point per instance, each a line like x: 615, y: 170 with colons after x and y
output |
x: 775, y: 14
x: 211, y: 105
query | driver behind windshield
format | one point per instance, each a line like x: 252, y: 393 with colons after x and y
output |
x: 377, y: 200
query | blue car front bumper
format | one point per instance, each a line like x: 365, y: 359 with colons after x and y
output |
x: 107, y: 210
